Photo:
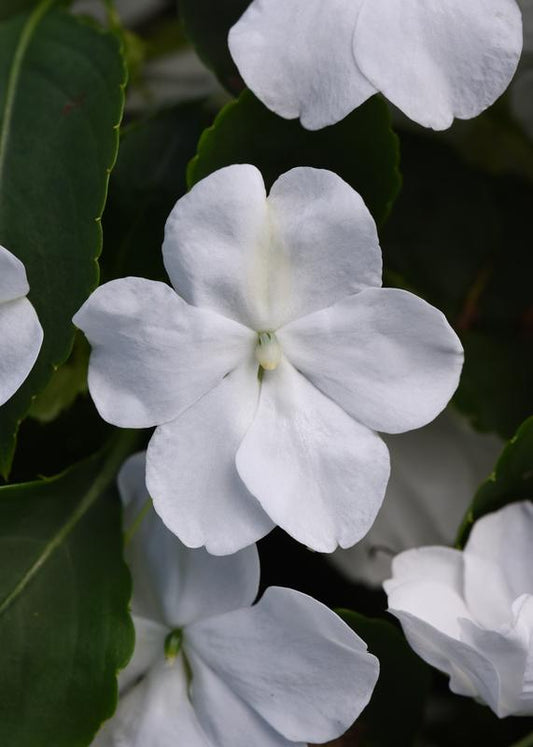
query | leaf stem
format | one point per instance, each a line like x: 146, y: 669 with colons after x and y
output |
x: 123, y: 444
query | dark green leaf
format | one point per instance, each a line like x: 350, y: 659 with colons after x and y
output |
x: 207, y: 24
x: 512, y: 480
x: 362, y: 149
x: 462, y: 240
x: 61, y: 99
x: 10, y: 8
x: 147, y: 180
x: 394, y: 715
x: 64, y: 594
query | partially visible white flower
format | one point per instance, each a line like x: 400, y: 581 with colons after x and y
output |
x: 470, y: 613
x: 21, y: 335
x: 435, y: 471
x: 209, y: 669
x: 272, y: 364
x: 320, y: 59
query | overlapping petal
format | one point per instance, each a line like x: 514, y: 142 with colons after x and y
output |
x: 156, y: 712
x: 167, y: 574
x: 318, y: 473
x: 439, y: 60
x: 311, y: 74
x: 309, y: 684
x: 191, y: 472
x: 434, y: 60
x: 385, y: 356
x: 265, y: 262
x: 153, y: 354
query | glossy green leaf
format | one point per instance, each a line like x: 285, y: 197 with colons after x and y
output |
x: 461, y: 238
x: 207, y: 24
x: 395, y: 712
x: 148, y: 178
x: 64, y: 595
x: 61, y: 99
x: 362, y: 149
x: 512, y: 480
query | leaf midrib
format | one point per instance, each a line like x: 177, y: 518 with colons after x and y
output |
x: 28, y: 30
x: 124, y: 445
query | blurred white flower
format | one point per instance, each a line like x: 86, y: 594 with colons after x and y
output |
x: 320, y: 59
x: 209, y: 669
x: 470, y: 613
x: 21, y: 335
x: 522, y: 89
x: 435, y: 471
x: 270, y: 372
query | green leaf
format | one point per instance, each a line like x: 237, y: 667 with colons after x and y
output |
x: 61, y: 99
x: 394, y: 715
x: 148, y: 178
x: 64, y: 594
x: 362, y: 149
x: 13, y: 7
x: 461, y: 238
x: 207, y: 24
x: 511, y: 481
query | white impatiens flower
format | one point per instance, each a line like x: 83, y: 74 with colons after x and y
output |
x: 470, y: 613
x: 434, y: 59
x: 21, y: 335
x: 271, y: 365
x: 209, y: 669
x: 435, y: 471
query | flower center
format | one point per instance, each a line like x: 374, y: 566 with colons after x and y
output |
x: 173, y: 643
x: 268, y: 350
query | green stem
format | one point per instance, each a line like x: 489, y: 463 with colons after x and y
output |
x: 525, y: 742
x: 122, y: 445
x: 135, y: 525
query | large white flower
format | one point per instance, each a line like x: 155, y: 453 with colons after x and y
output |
x: 435, y: 471
x: 21, y: 335
x: 470, y: 613
x: 272, y: 364
x: 209, y: 669
x: 435, y: 60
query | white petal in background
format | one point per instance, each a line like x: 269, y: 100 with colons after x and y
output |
x: 284, y: 671
x: 434, y: 60
x: 470, y: 613
x: 21, y: 334
x: 435, y: 472
x: 297, y: 57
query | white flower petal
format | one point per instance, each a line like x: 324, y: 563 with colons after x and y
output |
x: 317, y: 473
x: 216, y: 239
x: 297, y: 664
x: 470, y: 672
x: 324, y: 244
x: 21, y: 336
x: 153, y: 354
x: 439, y: 60
x: 156, y: 713
x: 428, y: 582
x: 505, y: 538
x: 490, y: 610
x: 172, y: 583
x: 13, y: 280
x: 191, y: 471
x: 434, y: 473
x: 384, y: 355
x: 296, y: 56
